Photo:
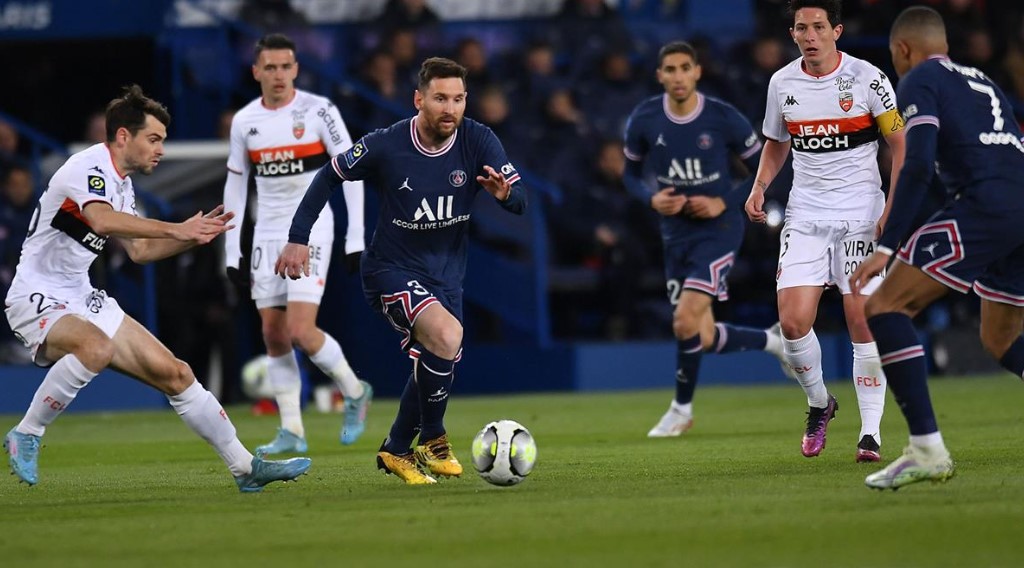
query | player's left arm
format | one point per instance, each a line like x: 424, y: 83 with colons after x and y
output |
x: 503, y: 183
x: 149, y: 249
x: 882, y: 102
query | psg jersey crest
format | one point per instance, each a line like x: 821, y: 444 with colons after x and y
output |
x: 457, y: 178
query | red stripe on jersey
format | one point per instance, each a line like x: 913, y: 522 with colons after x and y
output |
x: 71, y: 207
x: 830, y: 126
x: 285, y: 153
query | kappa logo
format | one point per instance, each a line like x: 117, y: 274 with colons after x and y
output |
x: 405, y: 184
x: 97, y: 185
x: 253, y: 132
x: 790, y: 101
x: 660, y: 141
x: 846, y: 101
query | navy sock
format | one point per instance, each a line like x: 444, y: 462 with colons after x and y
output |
x: 407, y: 423
x: 687, y: 364
x: 1013, y: 359
x: 731, y: 338
x: 434, y: 376
x: 905, y: 368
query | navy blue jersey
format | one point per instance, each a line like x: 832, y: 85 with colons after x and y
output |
x: 692, y: 154
x: 957, y: 119
x: 426, y: 196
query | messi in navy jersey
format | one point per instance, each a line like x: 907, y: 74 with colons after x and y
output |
x: 428, y: 170
x: 687, y: 141
x: 960, y: 120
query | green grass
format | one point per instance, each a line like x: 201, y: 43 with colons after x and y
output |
x: 137, y: 489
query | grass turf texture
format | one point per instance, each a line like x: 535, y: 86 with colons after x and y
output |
x: 138, y: 489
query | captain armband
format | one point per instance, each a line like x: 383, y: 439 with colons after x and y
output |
x: 890, y: 121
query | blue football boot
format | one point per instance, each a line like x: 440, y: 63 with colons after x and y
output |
x: 23, y: 450
x: 266, y: 471
x: 284, y: 442
x: 355, y: 415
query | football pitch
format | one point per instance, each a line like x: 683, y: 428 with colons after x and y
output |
x: 138, y: 489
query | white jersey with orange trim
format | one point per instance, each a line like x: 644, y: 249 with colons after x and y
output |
x: 61, y: 245
x: 284, y: 148
x: 834, y: 123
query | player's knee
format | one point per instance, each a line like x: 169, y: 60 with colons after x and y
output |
x: 684, y: 328
x: 176, y: 377
x: 449, y: 340
x: 795, y: 329
x: 303, y: 335
x: 95, y: 353
x: 997, y: 341
x: 276, y: 338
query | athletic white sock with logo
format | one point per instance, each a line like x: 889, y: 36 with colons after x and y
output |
x: 332, y: 362
x: 201, y: 411
x: 60, y: 386
x: 804, y: 357
x: 869, y: 382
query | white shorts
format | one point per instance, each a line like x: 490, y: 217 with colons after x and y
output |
x: 824, y: 253
x: 32, y: 315
x: 270, y: 290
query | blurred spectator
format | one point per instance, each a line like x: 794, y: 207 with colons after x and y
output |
x: 17, y: 205
x: 406, y: 14
x: 608, y: 99
x: 379, y: 73
x: 600, y: 226
x: 535, y: 81
x: 492, y: 109
x: 224, y: 123
x: 9, y: 141
x: 95, y: 131
x: 401, y: 45
x: 563, y: 137
x: 271, y: 15
x: 585, y: 29
x: 766, y: 56
x: 470, y: 53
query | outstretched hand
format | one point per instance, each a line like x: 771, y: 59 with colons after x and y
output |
x: 202, y: 228
x: 495, y: 183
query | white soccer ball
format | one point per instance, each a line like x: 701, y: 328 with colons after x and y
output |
x: 255, y: 379
x: 504, y: 452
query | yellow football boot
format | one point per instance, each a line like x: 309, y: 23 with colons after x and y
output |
x: 437, y: 456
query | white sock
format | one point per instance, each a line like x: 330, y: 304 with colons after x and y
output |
x: 60, y: 386
x: 284, y: 376
x: 685, y: 409
x: 804, y: 356
x: 931, y: 444
x: 332, y: 362
x: 206, y: 417
x: 869, y: 382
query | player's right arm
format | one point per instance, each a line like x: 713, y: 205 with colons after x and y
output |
x: 773, y: 156
x: 665, y: 201
x: 236, y: 192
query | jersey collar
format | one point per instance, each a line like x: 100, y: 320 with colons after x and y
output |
x: 687, y: 118
x: 423, y: 149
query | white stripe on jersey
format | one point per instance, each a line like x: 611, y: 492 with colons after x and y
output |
x: 835, y: 172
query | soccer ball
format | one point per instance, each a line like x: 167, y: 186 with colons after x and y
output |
x: 255, y: 380
x: 504, y: 452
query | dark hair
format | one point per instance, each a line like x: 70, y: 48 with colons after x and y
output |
x: 273, y: 41
x: 440, y: 68
x: 833, y: 9
x: 919, y: 18
x: 129, y: 111
x: 676, y: 47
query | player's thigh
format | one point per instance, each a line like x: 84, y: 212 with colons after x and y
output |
x: 805, y: 252
x: 1001, y: 325
x: 854, y: 242
x: 140, y: 355
x: 74, y: 334
x: 700, y: 265
x: 34, y: 314
x: 906, y: 289
x: 402, y: 298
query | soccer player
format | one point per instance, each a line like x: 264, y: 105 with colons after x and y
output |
x: 283, y: 138
x: 961, y: 124
x: 79, y: 330
x: 688, y: 141
x: 427, y: 170
x: 829, y: 108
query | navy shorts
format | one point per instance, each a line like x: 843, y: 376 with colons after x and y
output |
x: 701, y: 264
x: 402, y: 296
x: 965, y: 247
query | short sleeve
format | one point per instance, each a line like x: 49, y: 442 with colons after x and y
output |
x: 238, y: 161
x: 334, y: 133
x: 774, y: 126
x: 882, y: 102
